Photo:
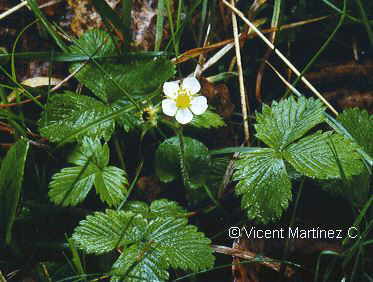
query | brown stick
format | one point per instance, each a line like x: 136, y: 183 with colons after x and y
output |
x: 265, y: 261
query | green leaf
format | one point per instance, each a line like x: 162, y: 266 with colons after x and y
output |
x: 161, y: 207
x: 288, y: 120
x: 149, y: 244
x: 94, y: 42
x: 208, y: 119
x: 214, y: 178
x: 68, y: 113
x: 110, y: 183
x: 264, y: 184
x: 141, y: 262
x: 75, y: 259
x: 104, y: 232
x: 91, y: 150
x: 129, y: 120
x: 164, y: 207
x: 183, y: 245
x: 134, y: 76
x: 11, y: 177
x: 217, y: 171
x: 167, y: 160
x: 71, y: 185
x: 313, y: 156
x: 359, y: 124
x: 136, y: 207
x: 355, y: 189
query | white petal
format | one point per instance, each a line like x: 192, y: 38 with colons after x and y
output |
x: 184, y: 116
x: 192, y: 84
x: 170, y: 89
x: 198, y: 105
x: 169, y: 107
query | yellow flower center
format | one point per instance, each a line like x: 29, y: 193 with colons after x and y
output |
x: 183, y: 99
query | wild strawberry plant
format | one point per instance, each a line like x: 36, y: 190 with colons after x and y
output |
x: 294, y: 137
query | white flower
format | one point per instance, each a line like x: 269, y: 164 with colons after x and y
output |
x: 182, y: 100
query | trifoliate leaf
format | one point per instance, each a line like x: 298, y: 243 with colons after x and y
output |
x: 264, y: 184
x: 104, y: 232
x: 70, y: 115
x: 196, y: 159
x: 359, y: 124
x: 71, y: 185
x: 288, y: 120
x: 149, y: 245
x: 313, y: 156
x: 110, y: 183
x: 11, y: 178
x: 208, y: 119
x: 111, y: 81
x: 141, y: 262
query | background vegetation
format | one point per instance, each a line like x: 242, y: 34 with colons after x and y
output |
x: 98, y: 184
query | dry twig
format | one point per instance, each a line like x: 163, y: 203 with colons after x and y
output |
x: 265, y: 261
x: 240, y: 78
x: 281, y: 56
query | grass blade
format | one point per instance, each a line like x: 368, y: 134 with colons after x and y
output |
x: 127, y: 19
x: 38, y: 14
x: 159, y: 25
x: 108, y: 14
x: 10, y: 186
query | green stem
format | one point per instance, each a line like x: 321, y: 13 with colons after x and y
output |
x: 120, y: 155
x: 173, y: 34
x: 335, y: 8
x: 211, y: 196
x: 51, y: 30
x: 134, y: 181
x: 183, y: 168
x: 126, y: 14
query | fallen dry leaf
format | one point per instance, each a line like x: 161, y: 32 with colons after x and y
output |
x: 33, y: 82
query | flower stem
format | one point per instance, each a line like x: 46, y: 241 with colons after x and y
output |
x: 183, y: 168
